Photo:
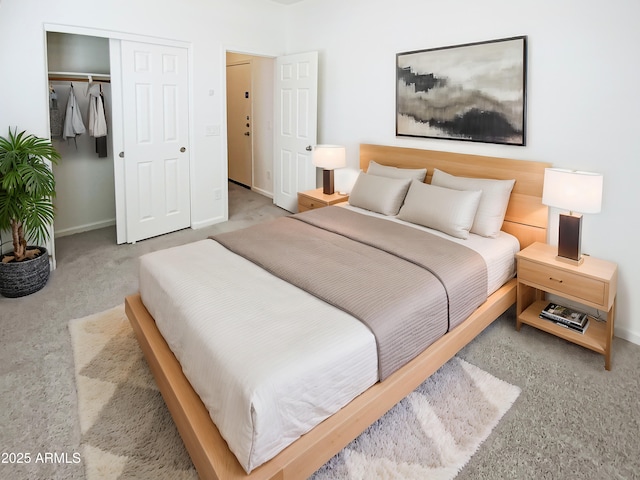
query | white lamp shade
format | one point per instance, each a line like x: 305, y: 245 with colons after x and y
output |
x: 329, y: 157
x: 572, y: 190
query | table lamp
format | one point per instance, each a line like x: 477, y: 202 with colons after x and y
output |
x: 577, y: 192
x: 329, y: 157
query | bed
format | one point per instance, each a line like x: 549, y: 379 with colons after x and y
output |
x: 525, y: 219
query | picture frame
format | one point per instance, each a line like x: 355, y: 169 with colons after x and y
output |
x: 472, y: 92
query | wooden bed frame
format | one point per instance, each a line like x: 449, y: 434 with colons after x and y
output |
x: 526, y: 219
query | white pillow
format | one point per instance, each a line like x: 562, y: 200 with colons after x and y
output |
x: 395, y: 172
x: 444, y: 209
x: 493, y: 203
x: 379, y: 194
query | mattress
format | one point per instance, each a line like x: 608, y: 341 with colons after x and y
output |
x: 303, y: 364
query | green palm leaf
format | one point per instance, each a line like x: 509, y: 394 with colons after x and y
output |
x: 27, y: 185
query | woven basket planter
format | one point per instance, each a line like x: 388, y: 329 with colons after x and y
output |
x: 18, y: 279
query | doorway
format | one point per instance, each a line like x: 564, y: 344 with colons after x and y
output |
x: 284, y: 101
x: 254, y: 75
x: 85, y: 197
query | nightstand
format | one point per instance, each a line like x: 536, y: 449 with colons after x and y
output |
x: 312, y: 199
x: 592, y: 284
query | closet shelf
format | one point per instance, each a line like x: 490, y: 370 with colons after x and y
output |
x: 79, y: 77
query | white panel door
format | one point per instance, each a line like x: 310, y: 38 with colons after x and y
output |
x: 296, y: 124
x: 156, y: 133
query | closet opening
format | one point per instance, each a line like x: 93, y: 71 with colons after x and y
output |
x: 80, y: 104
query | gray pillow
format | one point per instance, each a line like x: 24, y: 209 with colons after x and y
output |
x: 395, y: 172
x: 493, y: 202
x: 444, y: 209
x: 379, y: 194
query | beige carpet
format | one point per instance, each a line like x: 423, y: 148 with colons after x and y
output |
x: 127, y: 431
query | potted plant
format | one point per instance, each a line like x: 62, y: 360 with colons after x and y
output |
x: 27, y: 188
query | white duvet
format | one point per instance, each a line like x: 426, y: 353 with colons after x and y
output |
x: 305, y: 359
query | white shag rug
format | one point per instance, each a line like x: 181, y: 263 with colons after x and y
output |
x: 127, y: 432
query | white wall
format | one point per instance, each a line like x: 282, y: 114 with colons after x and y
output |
x: 249, y: 25
x: 582, y: 95
x: 77, y: 53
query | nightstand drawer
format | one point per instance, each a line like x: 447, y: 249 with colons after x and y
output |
x: 307, y: 203
x: 562, y: 282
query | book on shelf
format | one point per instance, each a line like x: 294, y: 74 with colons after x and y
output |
x: 569, y: 326
x: 565, y: 315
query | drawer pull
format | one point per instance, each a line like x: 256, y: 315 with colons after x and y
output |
x: 555, y: 280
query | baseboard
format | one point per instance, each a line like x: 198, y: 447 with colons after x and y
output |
x: 627, y: 335
x: 64, y: 232
x: 208, y: 222
x: 262, y: 192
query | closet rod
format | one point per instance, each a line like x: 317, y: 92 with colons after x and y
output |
x: 79, y: 77
x: 75, y: 79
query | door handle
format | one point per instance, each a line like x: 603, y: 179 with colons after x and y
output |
x: 308, y: 149
x: 182, y: 149
x: 121, y: 154
x: 247, y: 134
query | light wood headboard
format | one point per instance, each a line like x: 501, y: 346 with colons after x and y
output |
x: 526, y: 216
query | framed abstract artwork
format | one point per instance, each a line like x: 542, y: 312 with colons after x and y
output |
x: 474, y: 92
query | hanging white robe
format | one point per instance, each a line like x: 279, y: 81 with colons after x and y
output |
x: 73, y: 124
x: 97, y: 119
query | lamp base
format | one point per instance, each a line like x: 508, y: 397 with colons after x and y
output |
x: 327, y: 182
x: 569, y: 239
x: 570, y: 261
